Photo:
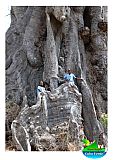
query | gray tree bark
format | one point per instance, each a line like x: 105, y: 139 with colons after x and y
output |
x: 43, y: 42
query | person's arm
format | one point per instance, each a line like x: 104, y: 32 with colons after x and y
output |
x: 74, y: 76
x: 39, y: 89
x: 78, y: 78
x: 43, y: 90
x: 65, y: 76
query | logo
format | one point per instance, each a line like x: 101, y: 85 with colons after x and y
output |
x: 93, y: 150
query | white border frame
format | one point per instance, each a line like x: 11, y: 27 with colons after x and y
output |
x: 12, y: 155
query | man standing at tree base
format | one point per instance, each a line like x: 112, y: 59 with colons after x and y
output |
x: 70, y: 77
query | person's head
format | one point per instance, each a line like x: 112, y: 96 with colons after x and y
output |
x: 81, y: 127
x: 69, y: 71
x: 41, y: 83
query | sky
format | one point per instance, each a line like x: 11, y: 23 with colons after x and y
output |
x: 7, y: 17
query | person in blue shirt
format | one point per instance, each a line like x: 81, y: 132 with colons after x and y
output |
x: 71, y: 78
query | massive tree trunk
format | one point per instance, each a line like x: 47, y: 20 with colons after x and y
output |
x: 43, y: 42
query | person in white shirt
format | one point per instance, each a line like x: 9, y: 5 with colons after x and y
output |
x: 41, y: 98
x: 41, y: 88
x: 40, y: 92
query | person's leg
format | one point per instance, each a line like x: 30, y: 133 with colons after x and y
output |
x: 39, y: 98
x: 77, y: 92
x: 70, y: 84
x: 45, y: 111
x: 45, y: 105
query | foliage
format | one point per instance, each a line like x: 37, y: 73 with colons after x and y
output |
x: 104, y: 120
x: 12, y: 110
